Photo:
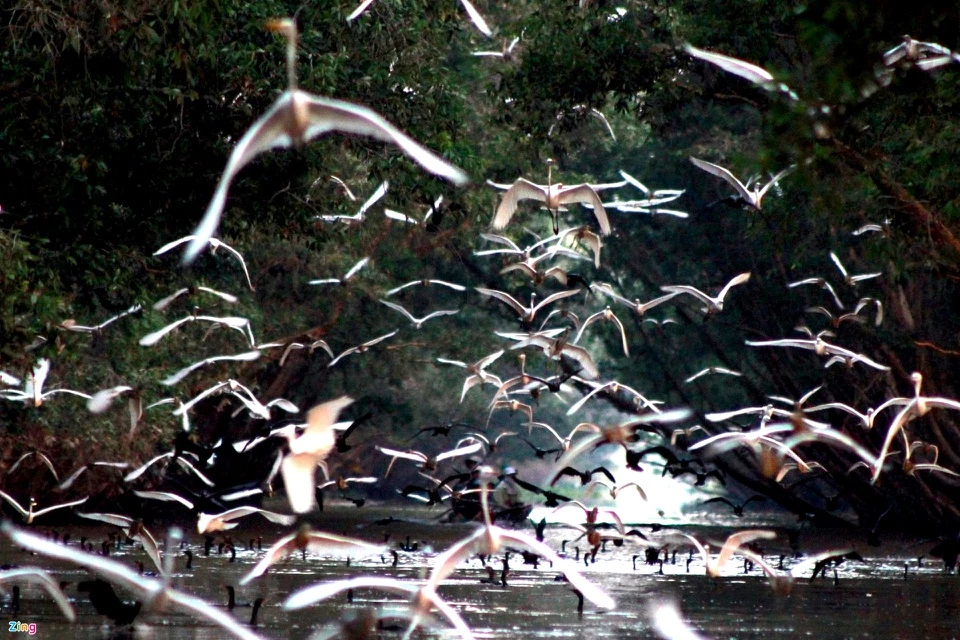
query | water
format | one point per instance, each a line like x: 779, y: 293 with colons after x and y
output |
x: 871, y: 599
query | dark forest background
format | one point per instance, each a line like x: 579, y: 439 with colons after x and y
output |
x: 116, y: 119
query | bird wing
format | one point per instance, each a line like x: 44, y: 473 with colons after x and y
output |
x: 740, y: 538
x: 582, y: 357
x: 683, y: 288
x: 586, y: 193
x: 774, y: 180
x: 153, y: 338
x: 374, y: 198
x: 327, y: 114
x: 269, y: 131
x: 740, y: 279
x: 505, y: 298
x: 522, y: 189
x: 720, y: 172
x: 201, y: 609
x: 164, y: 496
x: 41, y: 577
x: 380, y: 339
x: 462, y: 451
x: 746, y: 70
x: 399, y: 309
x: 355, y: 268
x: 477, y: 19
x: 589, y: 590
x: 274, y: 554
x: 839, y: 264
x: 559, y: 295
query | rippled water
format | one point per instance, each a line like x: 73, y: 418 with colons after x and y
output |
x: 872, y: 599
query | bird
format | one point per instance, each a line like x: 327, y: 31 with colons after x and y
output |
x: 347, y: 276
x: 713, y: 566
x: 712, y: 371
x: 425, y: 282
x: 918, y: 407
x: 359, y: 217
x: 422, y: 599
x: 851, y: 279
x: 737, y: 508
x: 751, y: 197
x: 297, y: 117
x: 584, y: 476
x: 418, y: 322
x: 823, y: 284
x: 209, y: 523
x: 505, y: 54
x: 362, y: 348
x: 714, y: 305
x: 820, y: 347
x: 29, y: 515
x: 526, y: 314
x: 305, y: 539
x: 426, y: 462
x: 307, y: 450
x: 475, y: 16
x: 35, y: 575
x: 155, y: 594
x: 174, y: 378
x: 163, y: 303
x: 71, y: 325
x: 39, y: 456
x: 608, y: 316
x: 554, y: 196
x: 215, y: 244
x: 232, y: 322
x: 133, y: 528
x: 746, y: 70
x: 613, y: 388
x: 640, y: 308
x: 615, y: 490
x: 477, y: 373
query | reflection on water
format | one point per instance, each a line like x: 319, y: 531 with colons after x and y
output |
x: 869, y: 599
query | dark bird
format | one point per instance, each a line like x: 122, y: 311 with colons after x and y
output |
x: 542, y: 453
x: 104, y: 599
x: 702, y: 476
x: 584, y: 476
x: 341, y: 436
x: 440, y: 430
x: 835, y: 560
x: 553, y: 499
x: 948, y: 550
x: 737, y: 508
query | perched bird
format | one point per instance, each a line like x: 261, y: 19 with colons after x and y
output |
x: 296, y: 118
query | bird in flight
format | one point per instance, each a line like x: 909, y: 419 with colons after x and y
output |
x: 298, y: 117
